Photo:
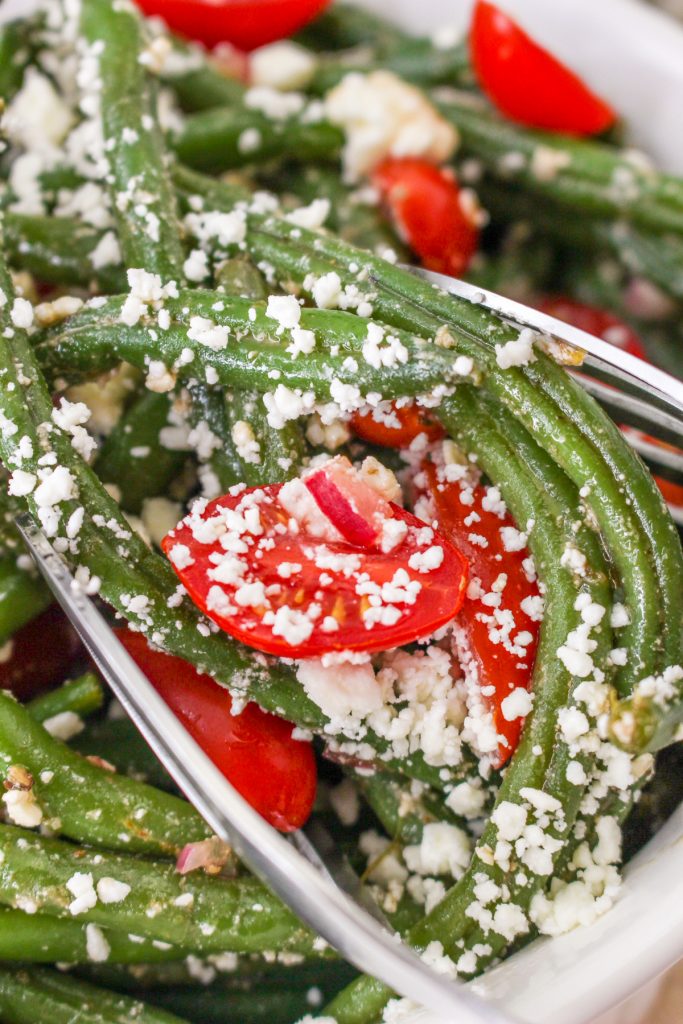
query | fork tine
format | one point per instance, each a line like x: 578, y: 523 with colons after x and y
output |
x: 634, y: 411
x: 653, y: 386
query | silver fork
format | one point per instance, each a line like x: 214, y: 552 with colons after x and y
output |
x: 316, y: 887
x: 635, y: 393
x: 292, y: 870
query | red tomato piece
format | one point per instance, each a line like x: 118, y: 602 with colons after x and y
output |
x: 351, y: 505
x: 410, y: 421
x: 255, y: 751
x: 672, y: 492
x: 434, y: 216
x: 528, y: 84
x: 42, y: 655
x: 596, y: 321
x: 270, y: 569
x: 244, y: 23
x: 500, y: 626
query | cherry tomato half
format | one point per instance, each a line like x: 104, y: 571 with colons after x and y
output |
x: 430, y: 212
x: 254, y: 750
x: 285, y: 589
x: 596, y: 321
x: 244, y: 23
x: 528, y: 84
x: 42, y: 654
x: 410, y: 421
x: 500, y: 624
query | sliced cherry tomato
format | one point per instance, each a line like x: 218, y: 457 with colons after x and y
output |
x: 41, y: 656
x: 399, y: 430
x: 244, y: 23
x: 430, y: 212
x: 596, y: 321
x: 500, y: 624
x: 273, y: 571
x: 526, y: 82
x: 353, y: 508
x: 255, y: 751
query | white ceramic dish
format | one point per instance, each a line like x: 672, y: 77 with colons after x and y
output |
x: 634, y: 56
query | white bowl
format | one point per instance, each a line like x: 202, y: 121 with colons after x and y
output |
x: 633, y: 55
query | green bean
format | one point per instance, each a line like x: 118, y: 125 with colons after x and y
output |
x: 82, y: 696
x: 142, y: 188
x: 588, y: 177
x: 266, y: 454
x: 351, y: 216
x: 32, y: 994
x: 230, y: 974
x: 213, y: 1006
x: 402, y: 814
x: 276, y: 454
x: 239, y: 278
x: 14, y: 56
x: 132, y: 455
x: 90, y: 803
x: 197, y: 81
x: 119, y: 742
x: 224, y: 137
x: 23, y: 595
x: 237, y: 915
x: 94, y: 340
x: 417, y: 61
x: 344, y: 25
x: 658, y: 258
x: 37, y: 938
x: 58, y: 250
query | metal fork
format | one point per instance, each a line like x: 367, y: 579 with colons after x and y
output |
x: 292, y: 870
x: 635, y: 393
x: 316, y: 887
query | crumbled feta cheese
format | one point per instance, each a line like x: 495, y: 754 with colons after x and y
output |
x: 340, y: 690
x: 444, y: 849
x: 22, y: 807
x: 518, y: 351
x: 517, y: 704
x: 284, y: 309
x: 110, y: 890
x: 283, y: 65
x: 64, y: 726
x: 96, y: 946
x: 383, y: 116
x: 81, y: 887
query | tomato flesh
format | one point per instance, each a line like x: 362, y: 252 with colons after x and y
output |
x: 255, y: 751
x: 294, y: 591
x: 497, y: 627
x: 351, y: 505
x: 244, y: 23
x: 528, y: 84
x: 430, y: 212
x: 41, y: 656
x: 399, y: 429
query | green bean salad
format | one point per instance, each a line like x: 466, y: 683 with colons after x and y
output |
x: 382, y: 554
